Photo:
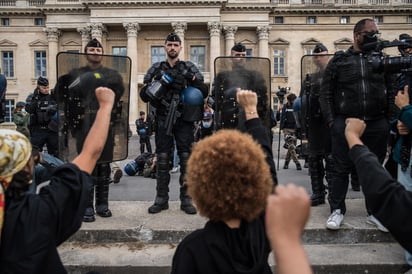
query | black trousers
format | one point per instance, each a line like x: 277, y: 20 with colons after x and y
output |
x: 375, y: 138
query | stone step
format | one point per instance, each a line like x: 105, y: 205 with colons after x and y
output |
x: 137, y: 257
x: 131, y: 223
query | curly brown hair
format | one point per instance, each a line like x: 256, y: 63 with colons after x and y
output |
x: 228, y: 177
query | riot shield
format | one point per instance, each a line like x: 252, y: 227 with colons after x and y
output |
x: 78, y: 77
x: 252, y: 73
x: 312, y: 68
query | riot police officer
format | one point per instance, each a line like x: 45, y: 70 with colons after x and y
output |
x: 318, y: 134
x: 42, y: 107
x: 80, y: 111
x: 173, y: 87
x: 143, y: 128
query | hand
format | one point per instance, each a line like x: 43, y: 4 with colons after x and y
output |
x: 105, y: 96
x: 287, y: 212
x: 354, y: 130
x: 247, y: 100
x: 402, y: 128
x: 179, y: 82
x: 402, y: 98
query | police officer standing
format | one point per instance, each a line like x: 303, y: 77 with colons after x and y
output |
x: 143, y: 129
x: 320, y: 158
x: 42, y: 107
x: 80, y: 113
x: 174, y: 75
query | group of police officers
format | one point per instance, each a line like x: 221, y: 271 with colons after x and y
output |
x: 176, y: 91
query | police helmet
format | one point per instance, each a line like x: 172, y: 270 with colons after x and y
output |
x: 131, y: 168
x: 42, y: 81
x: 191, y: 96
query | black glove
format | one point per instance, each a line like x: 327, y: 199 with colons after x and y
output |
x: 179, y: 82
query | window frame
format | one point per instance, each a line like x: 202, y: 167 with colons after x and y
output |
x: 40, y: 63
x: 279, y: 65
x: 200, y: 65
x: 11, y: 68
x: 159, y: 57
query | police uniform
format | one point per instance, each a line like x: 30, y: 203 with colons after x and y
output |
x: 183, y: 73
x: 320, y: 158
x: 80, y: 112
x: 143, y: 129
x: 42, y: 107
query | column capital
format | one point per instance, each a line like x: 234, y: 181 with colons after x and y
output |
x: 214, y: 28
x: 179, y: 27
x: 84, y: 32
x: 132, y: 28
x: 263, y: 32
x: 229, y: 31
x: 52, y: 33
x: 97, y: 29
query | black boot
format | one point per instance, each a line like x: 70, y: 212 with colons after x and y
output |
x: 161, y: 201
x: 316, y: 176
x: 102, y: 190
x: 286, y: 165
x: 89, y: 212
x: 185, y: 200
x: 298, y: 166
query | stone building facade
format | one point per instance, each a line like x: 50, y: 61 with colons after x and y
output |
x: 32, y: 32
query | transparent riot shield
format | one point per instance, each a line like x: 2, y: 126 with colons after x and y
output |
x: 78, y: 77
x: 252, y: 73
x: 312, y: 68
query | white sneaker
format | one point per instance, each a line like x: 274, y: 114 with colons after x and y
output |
x: 175, y: 169
x: 335, y: 219
x: 373, y: 221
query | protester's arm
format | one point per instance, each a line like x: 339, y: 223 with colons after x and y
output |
x: 287, y: 212
x: 248, y: 101
x: 96, y: 138
x: 402, y: 102
x: 388, y: 200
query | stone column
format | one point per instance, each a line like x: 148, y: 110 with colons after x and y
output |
x: 214, y: 32
x: 263, y: 38
x: 132, y: 31
x: 53, y: 39
x: 229, y: 32
x: 85, y: 34
x: 96, y: 31
x: 180, y: 28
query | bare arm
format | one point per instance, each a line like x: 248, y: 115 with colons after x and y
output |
x: 287, y: 212
x: 96, y: 138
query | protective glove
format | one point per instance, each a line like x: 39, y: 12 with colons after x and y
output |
x: 178, y: 84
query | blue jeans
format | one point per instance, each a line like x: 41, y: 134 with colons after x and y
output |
x: 405, y: 179
x: 43, y: 173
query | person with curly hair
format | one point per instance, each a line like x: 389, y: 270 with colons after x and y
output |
x: 232, y: 193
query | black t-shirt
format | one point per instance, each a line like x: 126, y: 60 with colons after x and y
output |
x: 35, y: 225
x: 219, y: 249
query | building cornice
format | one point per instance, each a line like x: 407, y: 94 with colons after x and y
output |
x: 154, y: 3
x: 334, y: 10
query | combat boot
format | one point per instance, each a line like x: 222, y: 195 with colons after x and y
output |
x: 286, y: 165
x: 102, y: 190
x: 298, y: 166
x: 161, y: 201
x: 185, y: 200
x: 316, y: 177
x: 88, y: 216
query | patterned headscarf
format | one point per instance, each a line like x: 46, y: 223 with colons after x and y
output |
x: 15, y: 152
